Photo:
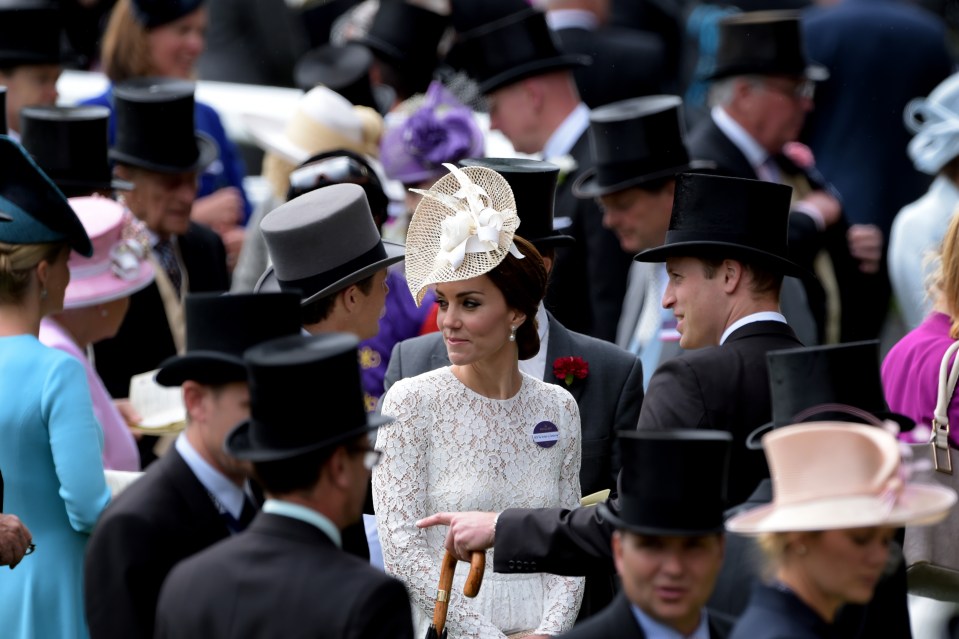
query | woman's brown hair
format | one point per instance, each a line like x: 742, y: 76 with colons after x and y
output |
x: 17, y: 263
x: 947, y: 278
x: 125, y: 52
x: 523, y: 284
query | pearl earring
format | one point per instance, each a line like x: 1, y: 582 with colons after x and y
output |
x: 512, y: 333
x: 104, y: 312
x: 43, y: 293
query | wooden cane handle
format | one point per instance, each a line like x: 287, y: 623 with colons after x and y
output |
x: 475, y: 577
x: 443, y: 592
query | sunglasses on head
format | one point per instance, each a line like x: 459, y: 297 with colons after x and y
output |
x: 335, y: 170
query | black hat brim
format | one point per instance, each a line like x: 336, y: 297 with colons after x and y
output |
x: 728, y: 249
x: 754, y: 439
x: 268, y: 282
x: 586, y: 185
x: 204, y: 367
x: 814, y: 72
x: 640, y: 529
x: 535, y: 67
x: 239, y: 444
x: 207, y: 154
x: 96, y: 185
x: 551, y: 241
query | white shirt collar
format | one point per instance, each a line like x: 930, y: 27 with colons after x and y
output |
x: 308, y: 515
x: 754, y: 153
x: 655, y: 630
x: 536, y: 366
x: 567, y: 133
x: 571, y: 19
x: 224, y: 492
x: 762, y: 316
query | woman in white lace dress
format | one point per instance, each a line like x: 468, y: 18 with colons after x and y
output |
x: 477, y: 435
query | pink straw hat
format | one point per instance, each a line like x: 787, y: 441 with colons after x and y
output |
x: 119, y: 266
x: 835, y: 475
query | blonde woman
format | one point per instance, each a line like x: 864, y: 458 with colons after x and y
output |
x: 479, y: 434
x: 51, y: 442
x: 838, y: 497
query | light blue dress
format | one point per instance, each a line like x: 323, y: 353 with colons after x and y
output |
x: 51, y: 459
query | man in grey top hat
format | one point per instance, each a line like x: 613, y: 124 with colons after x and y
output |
x: 324, y: 246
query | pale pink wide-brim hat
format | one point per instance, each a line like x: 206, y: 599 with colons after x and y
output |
x: 119, y: 266
x: 836, y: 475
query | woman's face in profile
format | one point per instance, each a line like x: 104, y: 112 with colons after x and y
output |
x: 845, y: 565
x: 176, y: 46
x: 474, y: 319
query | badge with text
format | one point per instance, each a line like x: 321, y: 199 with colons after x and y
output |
x: 545, y: 434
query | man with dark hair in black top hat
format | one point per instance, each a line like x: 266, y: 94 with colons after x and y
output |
x: 287, y: 574
x: 194, y: 495
x: 30, y: 57
x: 533, y: 101
x: 668, y: 541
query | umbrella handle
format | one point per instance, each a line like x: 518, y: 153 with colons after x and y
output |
x: 470, y: 588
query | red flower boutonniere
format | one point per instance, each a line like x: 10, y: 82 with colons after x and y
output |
x: 570, y: 368
x: 800, y: 154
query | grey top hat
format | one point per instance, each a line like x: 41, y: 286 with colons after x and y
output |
x: 322, y: 242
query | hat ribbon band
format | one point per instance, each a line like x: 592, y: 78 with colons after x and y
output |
x: 320, y: 281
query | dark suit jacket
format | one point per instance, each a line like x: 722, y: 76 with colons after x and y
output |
x: 722, y: 388
x: 588, y: 281
x: 627, y: 63
x: 617, y: 620
x: 144, y: 338
x: 775, y: 614
x: 609, y: 398
x: 281, y: 578
x: 162, y: 518
x: 887, y: 615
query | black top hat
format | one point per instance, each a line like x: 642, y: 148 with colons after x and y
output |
x: 289, y: 379
x: 70, y: 145
x: 3, y: 110
x: 155, y: 127
x: 154, y: 13
x: 346, y: 70
x: 322, y: 242
x: 763, y: 43
x: 405, y: 34
x: 635, y: 141
x: 219, y: 328
x: 727, y: 217
x: 29, y: 34
x: 809, y: 382
x: 672, y: 482
x: 39, y: 213
x: 513, y: 48
x: 534, y: 188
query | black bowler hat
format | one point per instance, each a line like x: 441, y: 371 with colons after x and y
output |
x: 37, y: 210
x: 155, y: 13
x: 533, y: 183
x: 810, y: 382
x: 727, y: 217
x: 29, y: 34
x: 405, y: 34
x: 346, y: 70
x: 672, y: 482
x: 635, y: 141
x: 305, y: 394
x: 70, y: 145
x: 155, y: 127
x: 763, y: 43
x: 220, y: 327
x: 513, y: 48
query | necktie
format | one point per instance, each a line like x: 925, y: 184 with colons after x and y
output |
x: 768, y: 171
x: 167, y: 259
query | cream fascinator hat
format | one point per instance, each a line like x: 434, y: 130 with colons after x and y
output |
x: 462, y: 228
x: 835, y: 475
x: 935, y: 123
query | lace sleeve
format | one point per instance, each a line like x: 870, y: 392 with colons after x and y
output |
x: 563, y: 595
x: 400, y: 496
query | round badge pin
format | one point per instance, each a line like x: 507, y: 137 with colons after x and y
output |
x: 545, y: 434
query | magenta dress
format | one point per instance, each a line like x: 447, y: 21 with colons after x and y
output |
x: 910, y: 374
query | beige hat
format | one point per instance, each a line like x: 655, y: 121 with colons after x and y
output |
x: 834, y: 475
x: 323, y: 121
x: 462, y: 228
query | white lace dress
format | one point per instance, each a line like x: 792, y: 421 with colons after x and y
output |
x: 451, y: 449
